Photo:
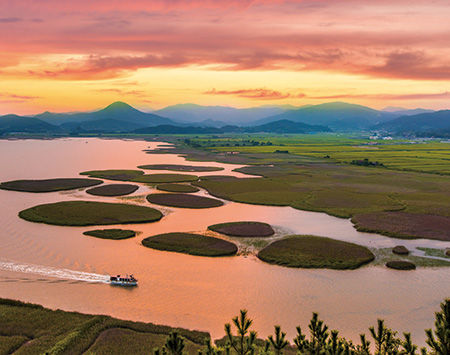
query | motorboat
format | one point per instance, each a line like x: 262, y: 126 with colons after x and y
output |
x: 123, y: 280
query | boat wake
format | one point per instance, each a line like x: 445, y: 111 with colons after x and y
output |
x: 52, y: 272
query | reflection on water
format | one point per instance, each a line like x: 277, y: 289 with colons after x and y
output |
x: 50, y: 265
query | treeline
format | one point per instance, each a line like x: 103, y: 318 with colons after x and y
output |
x: 321, y: 341
x: 366, y: 162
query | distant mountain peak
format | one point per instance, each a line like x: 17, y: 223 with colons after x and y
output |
x: 118, y: 105
x: 394, y: 109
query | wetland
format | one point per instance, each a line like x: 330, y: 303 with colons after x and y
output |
x: 200, y: 293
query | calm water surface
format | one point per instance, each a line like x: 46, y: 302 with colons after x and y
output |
x: 54, y: 266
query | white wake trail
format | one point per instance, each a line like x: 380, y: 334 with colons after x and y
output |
x: 51, y: 271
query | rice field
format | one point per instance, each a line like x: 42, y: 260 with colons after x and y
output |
x: 411, y: 155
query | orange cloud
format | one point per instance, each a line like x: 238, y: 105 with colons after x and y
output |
x: 415, y: 96
x: 259, y: 94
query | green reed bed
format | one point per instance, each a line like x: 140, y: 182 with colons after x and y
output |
x: 307, y: 251
x: 243, y: 229
x: 113, y: 190
x: 400, y: 265
x: 114, y: 234
x: 86, y: 213
x: 189, y: 243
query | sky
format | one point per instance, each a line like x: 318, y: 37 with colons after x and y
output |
x: 65, y: 55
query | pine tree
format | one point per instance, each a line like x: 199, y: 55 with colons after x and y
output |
x: 318, y: 340
x: 242, y: 344
x: 279, y: 343
x: 380, y: 337
x: 174, y: 343
x: 335, y: 345
x: 408, y: 347
x: 440, y: 340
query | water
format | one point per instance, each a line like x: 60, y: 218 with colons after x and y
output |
x: 59, y: 267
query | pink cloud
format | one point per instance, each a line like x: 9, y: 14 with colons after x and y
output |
x: 112, y: 38
x: 17, y: 98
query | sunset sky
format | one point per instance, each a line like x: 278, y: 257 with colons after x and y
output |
x: 65, y: 55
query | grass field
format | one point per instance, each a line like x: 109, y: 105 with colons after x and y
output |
x: 189, y: 243
x: 411, y: 155
x: 86, y: 213
x: 32, y: 329
x: 307, y: 251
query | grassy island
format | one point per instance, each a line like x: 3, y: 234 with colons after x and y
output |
x: 188, y: 243
x: 48, y: 185
x: 165, y: 178
x: 404, y: 225
x: 243, y: 229
x: 121, y: 175
x: 86, y: 213
x: 114, y: 234
x: 307, y: 251
x: 183, y: 201
x: 400, y: 265
x: 400, y: 250
x: 177, y: 188
x: 175, y: 167
x: 113, y: 190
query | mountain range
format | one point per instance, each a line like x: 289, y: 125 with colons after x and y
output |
x: 120, y: 117
x: 219, y: 115
x: 419, y: 123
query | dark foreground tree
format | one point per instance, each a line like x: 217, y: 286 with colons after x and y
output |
x: 174, y: 345
x: 440, y: 340
x: 279, y: 343
x: 244, y: 342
